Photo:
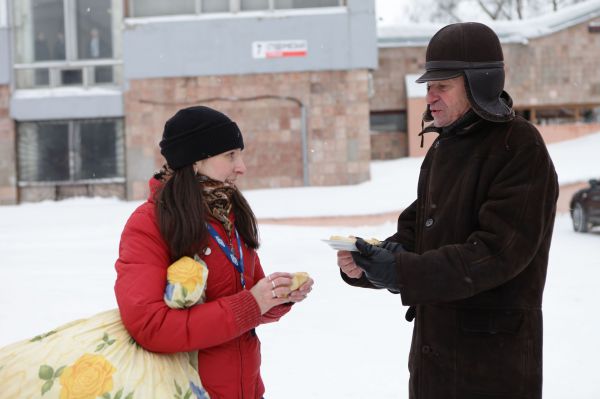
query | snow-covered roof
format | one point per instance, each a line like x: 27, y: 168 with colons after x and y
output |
x: 515, y: 31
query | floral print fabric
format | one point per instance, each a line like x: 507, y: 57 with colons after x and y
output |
x: 96, y: 357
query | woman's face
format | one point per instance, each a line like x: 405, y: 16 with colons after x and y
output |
x: 226, y: 166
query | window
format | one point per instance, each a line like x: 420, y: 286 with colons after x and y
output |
x: 388, y: 121
x: 70, y: 151
x: 591, y: 115
x: 50, y: 34
x: 146, y: 8
x: 250, y: 5
x: 3, y: 19
x: 561, y: 115
x: 282, y: 4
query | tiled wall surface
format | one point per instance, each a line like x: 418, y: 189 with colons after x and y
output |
x: 337, y: 123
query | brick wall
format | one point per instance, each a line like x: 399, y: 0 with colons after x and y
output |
x: 388, y: 78
x: 8, y: 166
x: 337, y: 111
x: 561, y: 68
x: 389, y: 145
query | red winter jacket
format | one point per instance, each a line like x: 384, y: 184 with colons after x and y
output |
x: 221, y: 329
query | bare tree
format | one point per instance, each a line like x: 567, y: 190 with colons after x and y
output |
x: 450, y: 10
x: 493, y: 8
x: 435, y: 11
x: 447, y: 8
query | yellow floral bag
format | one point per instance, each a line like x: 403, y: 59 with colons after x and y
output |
x: 97, y: 358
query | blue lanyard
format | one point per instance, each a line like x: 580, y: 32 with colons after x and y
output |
x: 239, y: 265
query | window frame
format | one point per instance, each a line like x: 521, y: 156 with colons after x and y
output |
x: 234, y: 7
x: 87, y: 66
x: 3, y: 13
x: 560, y: 114
x: 402, y: 114
x: 74, y: 140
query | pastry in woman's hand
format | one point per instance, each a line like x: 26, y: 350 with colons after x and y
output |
x: 298, y: 279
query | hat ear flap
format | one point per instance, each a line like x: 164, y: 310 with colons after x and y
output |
x: 484, y: 89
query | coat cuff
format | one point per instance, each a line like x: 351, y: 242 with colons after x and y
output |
x: 276, y: 313
x: 246, y: 311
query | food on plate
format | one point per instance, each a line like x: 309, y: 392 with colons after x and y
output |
x: 352, y: 239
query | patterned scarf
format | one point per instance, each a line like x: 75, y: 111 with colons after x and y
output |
x: 217, y: 195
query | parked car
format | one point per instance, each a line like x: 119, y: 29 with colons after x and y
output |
x: 585, y: 207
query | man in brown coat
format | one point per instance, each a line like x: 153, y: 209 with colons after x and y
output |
x: 470, y: 254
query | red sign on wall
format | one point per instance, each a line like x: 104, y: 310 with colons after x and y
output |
x: 280, y: 49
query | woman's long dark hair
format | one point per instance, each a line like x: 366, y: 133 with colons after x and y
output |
x: 181, y: 214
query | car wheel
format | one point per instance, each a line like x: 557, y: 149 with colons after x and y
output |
x: 580, y: 221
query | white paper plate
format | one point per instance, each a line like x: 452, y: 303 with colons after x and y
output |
x: 339, y: 245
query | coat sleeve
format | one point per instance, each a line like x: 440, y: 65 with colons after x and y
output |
x: 141, y: 279
x: 276, y: 312
x: 516, y: 216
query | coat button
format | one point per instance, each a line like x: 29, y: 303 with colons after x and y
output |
x: 425, y: 349
x: 207, y: 251
x: 429, y: 222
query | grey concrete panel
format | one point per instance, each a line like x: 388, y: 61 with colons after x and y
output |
x: 363, y: 37
x: 66, y: 103
x: 4, y: 56
x: 202, y: 45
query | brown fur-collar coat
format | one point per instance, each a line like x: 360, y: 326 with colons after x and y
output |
x: 478, y: 238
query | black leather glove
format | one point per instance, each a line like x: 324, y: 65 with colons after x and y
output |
x: 378, y: 263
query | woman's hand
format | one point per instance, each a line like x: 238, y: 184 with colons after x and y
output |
x: 300, y: 294
x: 347, y: 264
x: 272, y: 290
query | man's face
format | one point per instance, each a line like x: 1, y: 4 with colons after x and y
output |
x: 447, y: 100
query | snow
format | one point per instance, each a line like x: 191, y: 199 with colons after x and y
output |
x: 57, y: 261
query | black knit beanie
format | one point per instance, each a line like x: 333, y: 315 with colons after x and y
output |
x: 197, y: 133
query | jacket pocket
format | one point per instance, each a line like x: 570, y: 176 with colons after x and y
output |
x: 492, y: 353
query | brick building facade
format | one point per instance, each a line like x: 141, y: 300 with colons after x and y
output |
x: 267, y: 108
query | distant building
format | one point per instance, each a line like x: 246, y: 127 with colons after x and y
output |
x: 86, y: 86
x: 552, y: 73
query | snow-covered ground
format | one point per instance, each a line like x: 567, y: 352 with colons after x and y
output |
x: 56, y: 265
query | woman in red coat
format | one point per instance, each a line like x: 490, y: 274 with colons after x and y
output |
x: 195, y: 209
